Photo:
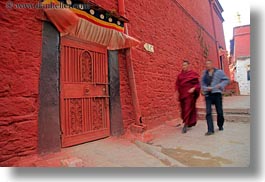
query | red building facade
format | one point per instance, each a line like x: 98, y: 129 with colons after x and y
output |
x: 240, y: 44
x: 240, y: 49
x: 174, y: 29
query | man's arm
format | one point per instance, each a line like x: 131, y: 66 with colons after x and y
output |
x: 224, y: 80
x: 203, y: 82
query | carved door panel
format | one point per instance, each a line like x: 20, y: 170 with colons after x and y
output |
x: 84, y: 97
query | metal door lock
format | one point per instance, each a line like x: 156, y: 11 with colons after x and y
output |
x: 86, y: 91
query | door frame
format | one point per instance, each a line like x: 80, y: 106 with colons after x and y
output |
x: 49, y: 138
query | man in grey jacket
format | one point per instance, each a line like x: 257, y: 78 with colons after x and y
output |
x: 213, y: 83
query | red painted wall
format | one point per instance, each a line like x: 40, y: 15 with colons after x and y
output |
x: 201, y: 11
x: 111, y: 5
x: 20, y: 57
x: 175, y: 37
x: 125, y: 92
x: 242, y: 41
x: 164, y: 24
x: 218, y: 23
x: 219, y: 32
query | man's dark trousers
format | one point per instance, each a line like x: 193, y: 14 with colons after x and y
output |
x: 216, y: 99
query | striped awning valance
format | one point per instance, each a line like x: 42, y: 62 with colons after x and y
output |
x: 88, y: 23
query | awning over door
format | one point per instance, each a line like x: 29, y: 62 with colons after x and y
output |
x: 89, y: 23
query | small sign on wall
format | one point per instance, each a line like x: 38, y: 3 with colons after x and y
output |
x: 149, y: 47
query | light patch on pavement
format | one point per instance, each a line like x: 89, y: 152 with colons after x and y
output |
x: 195, y: 158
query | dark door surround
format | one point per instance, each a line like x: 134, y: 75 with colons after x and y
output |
x: 49, y: 130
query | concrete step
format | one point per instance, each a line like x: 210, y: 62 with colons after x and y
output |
x: 228, y: 110
x: 228, y: 117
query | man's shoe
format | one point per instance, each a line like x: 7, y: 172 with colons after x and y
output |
x: 221, y: 129
x: 184, y: 129
x: 209, y: 133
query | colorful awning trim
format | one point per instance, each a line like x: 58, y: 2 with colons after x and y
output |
x: 85, y: 11
x: 87, y: 26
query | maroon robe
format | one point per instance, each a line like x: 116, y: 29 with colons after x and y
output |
x: 185, y: 81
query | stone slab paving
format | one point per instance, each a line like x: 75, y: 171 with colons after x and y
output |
x: 230, y: 147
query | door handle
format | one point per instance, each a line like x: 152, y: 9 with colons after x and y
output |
x: 86, y: 92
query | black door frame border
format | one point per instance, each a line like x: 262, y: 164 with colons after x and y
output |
x: 49, y: 129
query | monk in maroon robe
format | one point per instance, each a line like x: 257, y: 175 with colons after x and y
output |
x: 188, y: 87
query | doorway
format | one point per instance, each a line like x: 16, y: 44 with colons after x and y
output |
x: 84, y: 91
x: 50, y: 133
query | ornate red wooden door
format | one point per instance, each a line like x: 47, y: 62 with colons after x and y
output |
x: 84, y: 92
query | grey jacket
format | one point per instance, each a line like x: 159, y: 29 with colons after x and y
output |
x: 219, y: 77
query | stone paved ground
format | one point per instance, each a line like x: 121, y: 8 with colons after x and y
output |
x: 114, y: 152
x: 108, y: 152
x: 230, y: 147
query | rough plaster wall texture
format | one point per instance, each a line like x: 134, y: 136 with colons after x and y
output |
x: 242, y: 46
x: 20, y: 59
x: 125, y: 93
x: 175, y: 37
x: 242, y: 41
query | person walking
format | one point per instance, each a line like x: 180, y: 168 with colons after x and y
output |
x: 188, y: 89
x: 213, y: 83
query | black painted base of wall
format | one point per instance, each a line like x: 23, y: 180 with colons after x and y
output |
x: 116, y: 122
x: 49, y: 111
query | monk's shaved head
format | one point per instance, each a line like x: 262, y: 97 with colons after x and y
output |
x: 186, y: 61
x: 185, y: 65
